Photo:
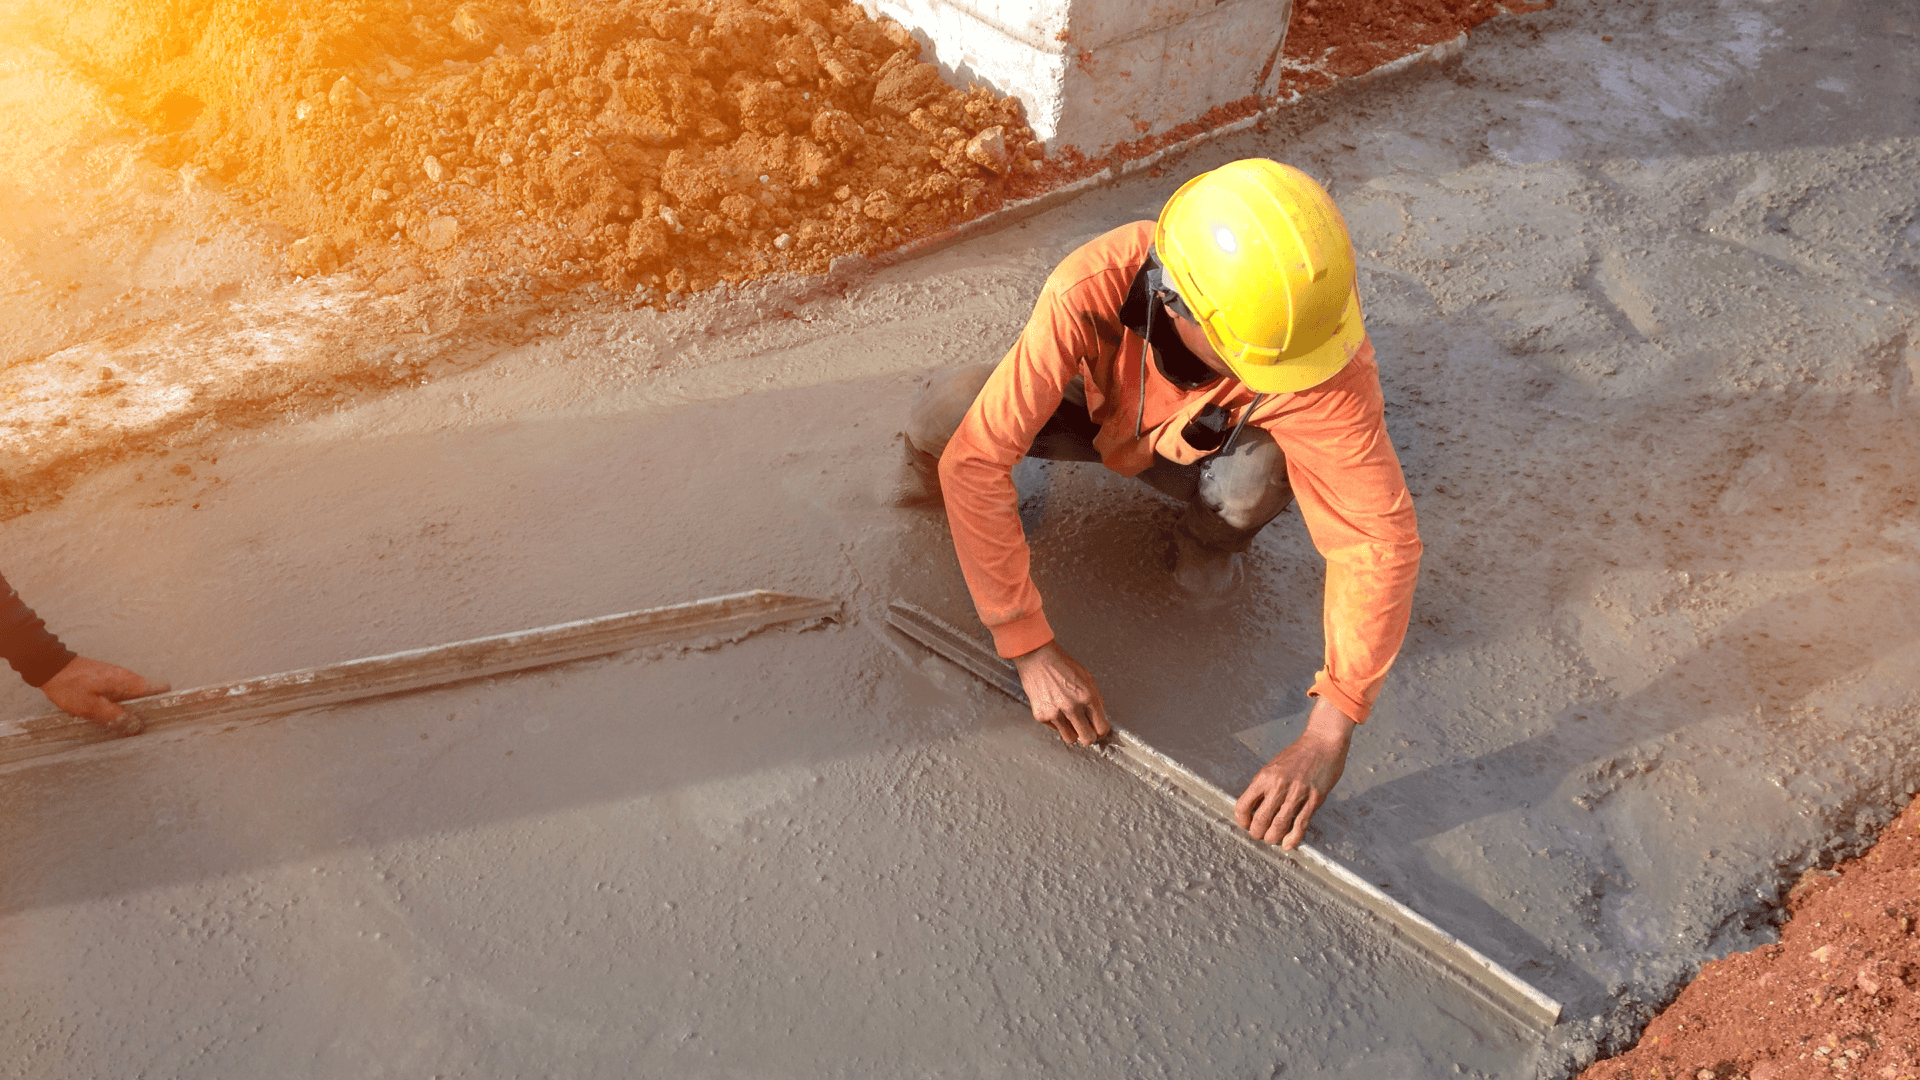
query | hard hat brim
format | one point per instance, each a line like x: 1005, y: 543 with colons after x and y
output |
x: 1312, y: 369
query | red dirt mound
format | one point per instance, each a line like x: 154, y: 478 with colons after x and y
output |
x: 1336, y: 39
x: 1836, y: 997
x: 668, y: 143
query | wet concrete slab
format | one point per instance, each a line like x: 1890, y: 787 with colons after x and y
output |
x: 1649, y: 372
x: 805, y: 851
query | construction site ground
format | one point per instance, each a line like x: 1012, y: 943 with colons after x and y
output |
x: 1645, y: 284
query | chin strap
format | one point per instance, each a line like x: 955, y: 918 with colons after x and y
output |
x: 1227, y: 447
x: 1139, y: 418
x: 1155, y: 284
x: 1146, y: 342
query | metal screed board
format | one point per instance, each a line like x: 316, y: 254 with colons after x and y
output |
x: 1488, y: 981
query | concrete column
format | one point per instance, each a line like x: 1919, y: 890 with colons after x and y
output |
x: 1093, y: 73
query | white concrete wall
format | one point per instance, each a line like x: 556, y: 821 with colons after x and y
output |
x: 1093, y: 73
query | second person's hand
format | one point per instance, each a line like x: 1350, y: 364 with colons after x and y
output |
x: 93, y: 689
x: 1063, y: 694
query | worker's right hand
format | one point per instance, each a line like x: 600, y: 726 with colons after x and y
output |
x: 93, y: 689
x: 1063, y: 694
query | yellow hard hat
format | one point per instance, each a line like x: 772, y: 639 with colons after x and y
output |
x: 1260, y: 255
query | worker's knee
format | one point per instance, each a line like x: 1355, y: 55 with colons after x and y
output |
x: 1247, y: 487
x: 943, y: 400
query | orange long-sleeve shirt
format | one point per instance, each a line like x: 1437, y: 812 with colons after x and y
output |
x: 1346, y: 478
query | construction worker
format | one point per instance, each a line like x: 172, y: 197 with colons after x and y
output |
x: 1218, y: 355
x: 86, y: 688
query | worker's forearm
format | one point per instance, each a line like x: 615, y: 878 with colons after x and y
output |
x: 25, y: 641
x: 1326, y: 723
x: 984, y: 517
x: 1368, y: 607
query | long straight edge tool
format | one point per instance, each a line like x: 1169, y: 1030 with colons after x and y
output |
x: 1499, y: 987
x: 416, y: 669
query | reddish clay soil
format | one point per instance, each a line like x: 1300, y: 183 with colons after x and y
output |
x: 1336, y: 39
x: 1836, y: 996
x: 663, y: 144
x: 655, y: 143
x: 469, y: 160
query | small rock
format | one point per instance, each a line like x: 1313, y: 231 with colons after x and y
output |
x: 840, y: 72
x: 311, y: 255
x: 344, y: 94
x: 106, y: 373
x: 442, y: 233
x: 193, y: 178
x: 783, y: 241
x: 399, y: 278
x: 905, y: 84
x: 880, y: 206
x: 989, y: 150
x: 832, y: 127
x: 668, y: 215
x: 468, y: 23
x: 1867, y: 982
x: 304, y: 109
x: 435, y: 171
x: 379, y: 195
x: 505, y: 160
x: 1824, y: 954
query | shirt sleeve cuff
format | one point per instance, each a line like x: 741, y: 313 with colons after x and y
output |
x: 1022, y: 635
x: 44, y: 664
x: 1355, y: 709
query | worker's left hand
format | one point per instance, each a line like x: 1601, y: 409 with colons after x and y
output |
x: 1283, y: 796
x: 92, y: 690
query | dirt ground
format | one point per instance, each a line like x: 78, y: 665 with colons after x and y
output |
x: 1645, y: 284
x: 1332, y: 39
x: 1836, y: 996
x: 661, y: 145
x: 387, y: 185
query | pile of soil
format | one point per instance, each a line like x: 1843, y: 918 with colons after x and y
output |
x: 667, y: 144
x: 1335, y: 39
x: 1839, y: 995
x: 664, y: 144
x: 470, y: 160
